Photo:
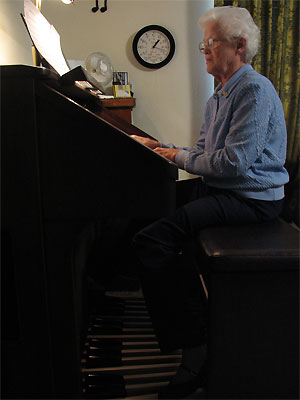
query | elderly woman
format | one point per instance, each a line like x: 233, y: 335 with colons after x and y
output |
x: 239, y: 156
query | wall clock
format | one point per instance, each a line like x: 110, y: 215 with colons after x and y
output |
x: 153, y: 46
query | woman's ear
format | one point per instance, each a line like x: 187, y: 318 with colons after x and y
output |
x: 241, y: 48
x: 241, y: 44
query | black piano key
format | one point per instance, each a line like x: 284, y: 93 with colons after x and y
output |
x: 101, y: 343
x: 113, y: 392
x: 125, y: 324
x: 149, y: 377
x: 144, y: 388
x: 114, y: 330
x: 105, y: 328
x: 112, y: 305
x: 107, y: 390
x: 102, y: 352
x: 104, y: 300
x: 112, y: 311
x: 107, y: 386
x: 153, y: 344
x: 103, y: 379
x: 115, y: 311
x: 126, y: 345
x: 104, y: 361
x: 133, y: 352
x: 120, y: 391
x: 106, y: 321
x: 116, y: 386
x: 114, y: 360
x: 121, y: 346
x: 99, y: 381
x: 127, y: 318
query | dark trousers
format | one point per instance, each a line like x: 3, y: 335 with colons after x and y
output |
x: 170, y: 282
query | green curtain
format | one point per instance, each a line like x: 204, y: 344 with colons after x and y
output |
x: 278, y: 58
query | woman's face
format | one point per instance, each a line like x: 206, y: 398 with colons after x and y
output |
x: 224, y: 59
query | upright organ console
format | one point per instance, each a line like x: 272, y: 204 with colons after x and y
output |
x: 65, y: 163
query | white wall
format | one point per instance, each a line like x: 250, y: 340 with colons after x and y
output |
x: 15, y: 45
x: 169, y: 101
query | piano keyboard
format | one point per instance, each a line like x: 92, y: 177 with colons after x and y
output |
x: 120, y: 357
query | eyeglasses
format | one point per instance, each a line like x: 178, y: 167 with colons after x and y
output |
x: 210, y: 43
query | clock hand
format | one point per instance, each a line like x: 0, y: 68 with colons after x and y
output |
x: 155, y: 44
x: 158, y: 48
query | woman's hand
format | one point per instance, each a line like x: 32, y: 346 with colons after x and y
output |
x: 169, y: 153
x: 146, y: 141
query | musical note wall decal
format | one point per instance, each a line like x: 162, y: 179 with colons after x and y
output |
x: 102, y: 9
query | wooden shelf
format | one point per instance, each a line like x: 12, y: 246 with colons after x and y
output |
x: 121, y: 106
x: 119, y: 102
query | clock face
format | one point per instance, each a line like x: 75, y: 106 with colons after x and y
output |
x: 153, y: 46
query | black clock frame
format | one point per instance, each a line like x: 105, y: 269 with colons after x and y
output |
x: 165, y: 32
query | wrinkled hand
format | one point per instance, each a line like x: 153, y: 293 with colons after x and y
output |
x: 146, y: 141
x: 170, y: 154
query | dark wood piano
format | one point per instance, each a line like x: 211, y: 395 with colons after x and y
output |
x: 64, y: 166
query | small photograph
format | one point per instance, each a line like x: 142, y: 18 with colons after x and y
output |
x: 120, y: 78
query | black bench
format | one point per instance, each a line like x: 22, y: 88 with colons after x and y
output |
x: 252, y: 281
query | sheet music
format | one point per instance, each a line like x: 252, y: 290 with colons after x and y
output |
x: 45, y: 38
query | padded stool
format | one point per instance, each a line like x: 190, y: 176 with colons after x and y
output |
x: 253, y: 300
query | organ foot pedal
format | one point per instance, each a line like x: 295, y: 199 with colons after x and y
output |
x: 121, y: 357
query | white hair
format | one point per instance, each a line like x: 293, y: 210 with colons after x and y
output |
x: 234, y: 22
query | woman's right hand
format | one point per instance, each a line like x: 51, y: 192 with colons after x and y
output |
x: 146, y: 141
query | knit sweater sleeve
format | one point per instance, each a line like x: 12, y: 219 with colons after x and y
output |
x: 243, y: 143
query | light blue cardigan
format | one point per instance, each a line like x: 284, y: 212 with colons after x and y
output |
x: 242, y: 143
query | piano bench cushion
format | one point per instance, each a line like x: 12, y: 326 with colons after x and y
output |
x: 251, y: 276
x: 269, y: 246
